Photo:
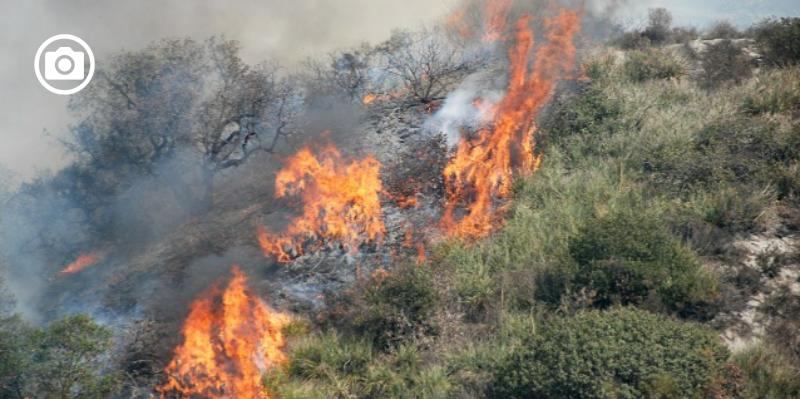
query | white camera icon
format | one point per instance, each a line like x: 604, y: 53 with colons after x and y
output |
x: 63, y: 64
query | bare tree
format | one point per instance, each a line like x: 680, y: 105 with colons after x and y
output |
x: 424, y: 64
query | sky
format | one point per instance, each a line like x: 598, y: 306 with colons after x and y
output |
x: 33, y: 120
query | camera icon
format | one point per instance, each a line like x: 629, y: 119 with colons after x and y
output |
x: 61, y: 68
x: 63, y: 64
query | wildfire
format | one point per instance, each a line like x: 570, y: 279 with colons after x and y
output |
x: 340, y: 202
x: 229, y: 340
x: 369, y: 99
x: 482, y: 168
x: 81, y: 262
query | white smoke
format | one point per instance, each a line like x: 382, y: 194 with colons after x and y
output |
x: 460, y: 111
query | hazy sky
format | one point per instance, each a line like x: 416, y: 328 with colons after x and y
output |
x: 278, y: 29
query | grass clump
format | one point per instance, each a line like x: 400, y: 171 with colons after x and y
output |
x: 389, y: 308
x: 330, y: 366
x: 768, y: 374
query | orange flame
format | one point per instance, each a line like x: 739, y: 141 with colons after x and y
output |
x: 340, y: 202
x: 229, y: 340
x: 421, y: 256
x: 81, y: 262
x: 481, y: 170
x: 369, y: 98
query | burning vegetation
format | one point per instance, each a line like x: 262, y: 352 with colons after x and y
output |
x: 482, y: 169
x: 81, y: 262
x: 230, y: 339
x: 340, y: 202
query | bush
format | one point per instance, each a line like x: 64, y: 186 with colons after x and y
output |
x: 632, y: 41
x: 630, y: 259
x: 779, y: 40
x: 723, y: 30
x: 727, y: 151
x: 724, y: 63
x: 389, y: 308
x: 623, y: 353
x: 15, y: 347
x: 587, y: 113
x: 684, y: 34
x: 641, y: 66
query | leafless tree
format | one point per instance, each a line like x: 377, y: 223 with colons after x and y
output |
x: 424, y: 63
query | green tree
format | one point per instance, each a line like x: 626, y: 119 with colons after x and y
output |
x: 68, y: 358
x: 15, y: 345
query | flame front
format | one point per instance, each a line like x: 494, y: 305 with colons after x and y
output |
x: 81, y: 262
x: 482, y: 168
x: 341, y: 201
x: 230, y: 339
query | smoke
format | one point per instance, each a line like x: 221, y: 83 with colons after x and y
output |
x: 460, y: 110
x: 287, y: 32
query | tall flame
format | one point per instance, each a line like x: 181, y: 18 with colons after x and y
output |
x: 229, y: 340
x: 340, y: 202
x: 481, y: 170
x: 81, y: 262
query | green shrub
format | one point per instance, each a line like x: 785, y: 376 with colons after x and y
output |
x: 68, y: 360
x: 587, y: 113
x: 630, y: 259
x: 641, y: 66
x: 768, y: 374
x: 388, y: 309
x: 779, y: 40
x: 727, y: 151
x: 622, y: 353
x: 15, y: 347
x: 724, y: 63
